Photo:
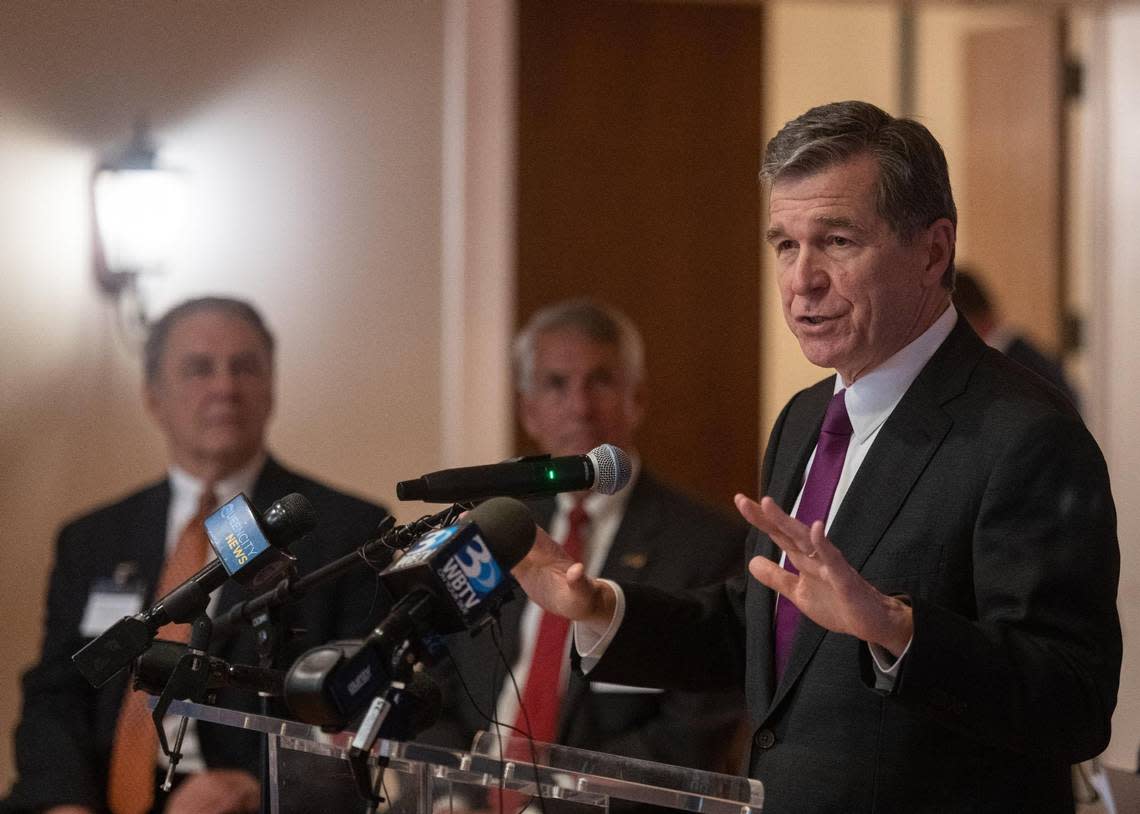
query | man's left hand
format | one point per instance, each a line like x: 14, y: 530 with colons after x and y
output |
x: 827, y: 589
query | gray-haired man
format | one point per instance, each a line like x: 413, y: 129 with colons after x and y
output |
x: 929, y: 622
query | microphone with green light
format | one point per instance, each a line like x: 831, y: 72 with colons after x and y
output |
x: 605, y: 469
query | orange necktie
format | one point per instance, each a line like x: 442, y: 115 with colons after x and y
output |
x: 134, y: 755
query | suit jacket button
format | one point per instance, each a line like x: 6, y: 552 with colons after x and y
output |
x: 765, y: 739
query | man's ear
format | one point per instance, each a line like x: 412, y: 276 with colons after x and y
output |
x: 151, y: 399
x: 523, y: 408
x: 639, y: 403
x: 939, y: 244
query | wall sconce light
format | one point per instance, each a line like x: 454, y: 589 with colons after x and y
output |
x: 140, y: 212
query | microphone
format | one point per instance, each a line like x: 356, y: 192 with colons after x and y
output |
x: 250, y: 549
x: 154, y: 668
x: 449, y: 580
x: 604, y: 469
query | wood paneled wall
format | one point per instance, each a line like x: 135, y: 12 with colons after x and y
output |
x: 639, y: 149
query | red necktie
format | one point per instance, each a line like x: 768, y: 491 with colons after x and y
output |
x: 543, y: 693
x: 815, y: 504
x: 134, y: 754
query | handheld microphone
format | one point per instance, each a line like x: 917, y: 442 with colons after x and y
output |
x: 604, y: 469
x: 449, y: 580
x: 250, y: 549
x: 154, y: 668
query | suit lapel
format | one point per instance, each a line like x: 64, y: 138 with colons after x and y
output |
x: 896, y: 460
x: 148, y: 538
x: 632, y: 545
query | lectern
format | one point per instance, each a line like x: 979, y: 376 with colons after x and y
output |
x: 309, y: 772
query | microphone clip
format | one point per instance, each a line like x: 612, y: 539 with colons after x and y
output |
x: 188, y: 682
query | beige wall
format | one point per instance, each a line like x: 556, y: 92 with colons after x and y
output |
x: 1117, y: 291
x: 312, y: 133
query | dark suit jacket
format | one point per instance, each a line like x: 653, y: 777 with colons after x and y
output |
x: 664, y: 539
x: 1024, y: 352
x: 986, y: 501
x: 63, y: 741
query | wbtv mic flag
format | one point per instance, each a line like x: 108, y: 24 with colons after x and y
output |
x: 604, y: 469
x: 449, y: 580
x: 251, y: 549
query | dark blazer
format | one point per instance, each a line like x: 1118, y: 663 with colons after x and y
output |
x: 1024, y: 352
x: 986, y: 501
x: 63, y: 741
x: 664, y: 539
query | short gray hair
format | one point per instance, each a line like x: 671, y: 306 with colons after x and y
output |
x: 159, y: 331
x: 914, y: 183
x: 601, y: 323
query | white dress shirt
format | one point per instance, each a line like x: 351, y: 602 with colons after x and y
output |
x: 185, y: 495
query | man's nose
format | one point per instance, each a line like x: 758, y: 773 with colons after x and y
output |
x: 809, y: 274
x: 579, y: 401
x: 224, y: 381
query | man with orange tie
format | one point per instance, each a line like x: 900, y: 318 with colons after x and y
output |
x: 208, y: 371
x: 579, y: 374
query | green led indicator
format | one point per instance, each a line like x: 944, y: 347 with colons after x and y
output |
x: 550, y: 474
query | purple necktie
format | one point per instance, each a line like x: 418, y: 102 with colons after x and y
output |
x: 815, y: 503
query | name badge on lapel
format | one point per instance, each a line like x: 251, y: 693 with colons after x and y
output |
x: 112, y: 598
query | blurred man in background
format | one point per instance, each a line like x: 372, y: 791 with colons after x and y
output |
x: 209, y: 372
x: 973, y: 301
x: 580, y: 377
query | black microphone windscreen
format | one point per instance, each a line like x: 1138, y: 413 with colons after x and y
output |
x: 154, y: 667
x: 426, y: 702
x: 289, y: 518
x: 507, y: 527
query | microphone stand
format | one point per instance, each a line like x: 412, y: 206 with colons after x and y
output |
x: 269, y: 635
x: 263, y: 611
x: 188, y: 682
x: 374, y: 553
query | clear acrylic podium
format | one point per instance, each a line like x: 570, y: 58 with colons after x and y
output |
x: 309, y: 772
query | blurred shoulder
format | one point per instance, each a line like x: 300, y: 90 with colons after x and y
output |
x: 685, y: 513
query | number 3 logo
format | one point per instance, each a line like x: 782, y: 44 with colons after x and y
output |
x: 478, y: 565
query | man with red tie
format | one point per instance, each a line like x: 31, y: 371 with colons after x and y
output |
x: 579, y: 372
x: 208, y: 370
x: 929, y: 623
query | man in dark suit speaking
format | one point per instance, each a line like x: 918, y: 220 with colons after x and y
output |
x: 579, y: 372
x: 209, y: 387
x: 929, y: 622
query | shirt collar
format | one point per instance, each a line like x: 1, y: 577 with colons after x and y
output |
x: 185, y: 485
x: 872, y: 398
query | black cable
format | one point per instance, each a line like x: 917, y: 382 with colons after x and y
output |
x: 496, y: 637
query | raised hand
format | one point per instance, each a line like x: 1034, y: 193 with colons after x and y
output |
x: 827, y: 589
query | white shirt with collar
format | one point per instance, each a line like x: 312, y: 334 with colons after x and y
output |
x: 606, y: 513
x: 185, y: 495
x: 870, y: 401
